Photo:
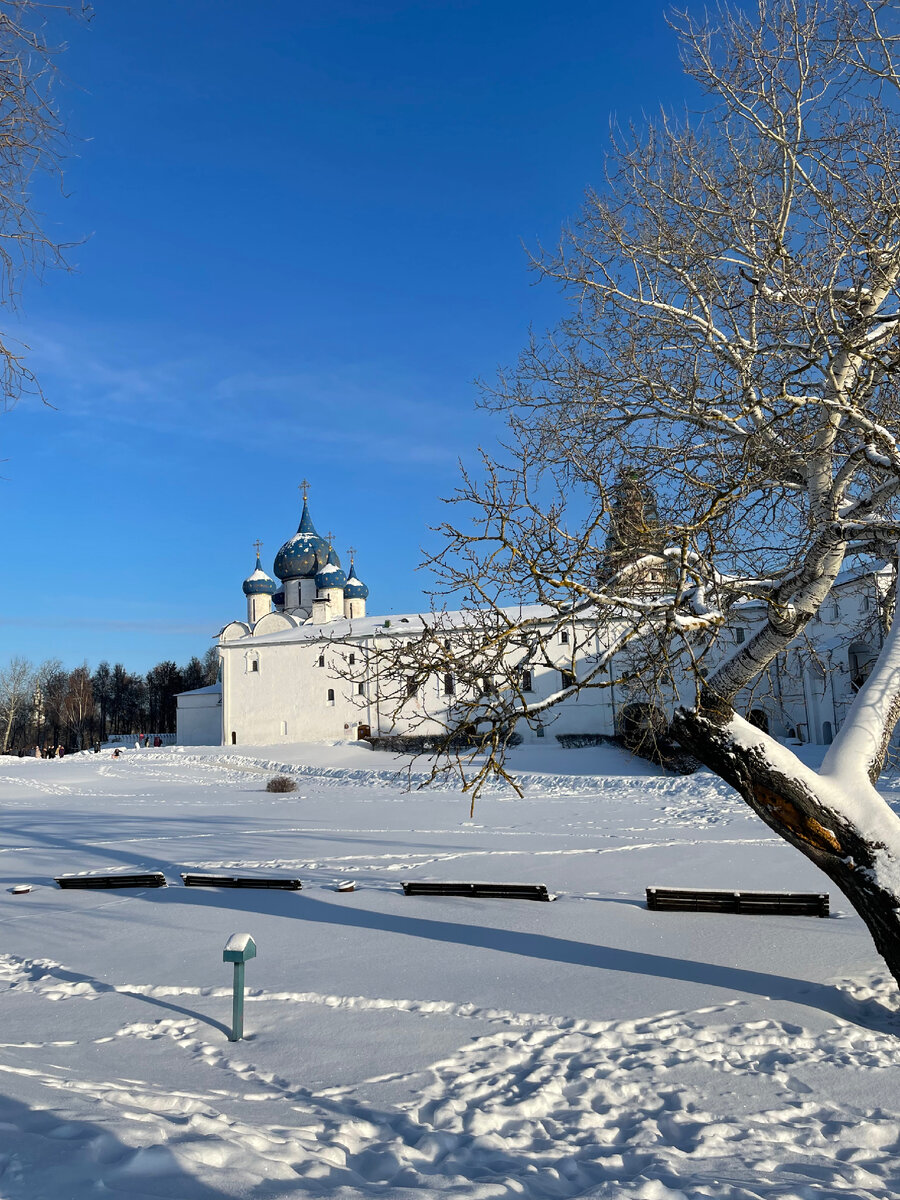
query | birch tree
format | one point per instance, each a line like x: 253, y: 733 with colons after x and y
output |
x: 732, y: 334
x: 17, y: 682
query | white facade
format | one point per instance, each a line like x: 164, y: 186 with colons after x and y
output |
x: 286, y: 681
x: 299, y: 668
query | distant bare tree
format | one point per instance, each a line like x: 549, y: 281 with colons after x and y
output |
x: 733, y: 336
x: 16, y: 694
x: 78, y: 705
x: 32, y: 142
x: 210, y: 666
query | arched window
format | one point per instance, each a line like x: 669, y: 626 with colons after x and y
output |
x: 827, y: 733
x: 254, y: 665
x: 564, y: 637
x: 330, y: 699
x: 860, y: 660
x: 360, y: 689
x: 566, y: 679
x: 760, y: 718
x: 321, y: 660
x: 527, y: 681
x: 449, y: 684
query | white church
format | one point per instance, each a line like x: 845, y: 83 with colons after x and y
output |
x: 299, y: 668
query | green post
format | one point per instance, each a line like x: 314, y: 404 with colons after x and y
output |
x: 237, y: 1004
x: 239, y: 948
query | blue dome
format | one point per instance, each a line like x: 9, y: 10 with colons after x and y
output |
x: 259, y: 583
x: 355, y: 589
x: 305, y: 554
x: 331, y: 575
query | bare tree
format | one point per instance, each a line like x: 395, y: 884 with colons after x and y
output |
x: 78, y: 705
x: 733, y: 336
x: 32, y: 142
x: 17, y: 681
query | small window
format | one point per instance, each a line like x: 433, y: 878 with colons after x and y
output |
x: 526, y: 681
x: 330, y: 696
x: 449, y: 684
x: 321, y: 660
x: 233, y: 738
x: 567, y: 679
x: 411, y: 686
x: 360, y: 689
x: 352, y: 660
x: 564, y: 637
x: 739, y: 636
x: 866, y: 602
x: 283, y: 728
x: 447, y: 644
x: 254, y: 665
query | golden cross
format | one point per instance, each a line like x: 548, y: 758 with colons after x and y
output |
x: 304, y: 487
x: 330, y: 536
x: 257, y: 544
x: 351, y: 550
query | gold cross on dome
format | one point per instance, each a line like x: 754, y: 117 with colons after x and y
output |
x: 258, y: 545
x: 330, y: 536
x: 351, y: 550
x: 304, y: 487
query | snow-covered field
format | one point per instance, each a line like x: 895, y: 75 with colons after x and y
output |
x: 399, y: 1047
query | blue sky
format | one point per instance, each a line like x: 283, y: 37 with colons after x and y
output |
x: 304, y: 225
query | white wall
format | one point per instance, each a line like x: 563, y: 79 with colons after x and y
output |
x: 286, y: 699
x: 199, y: 719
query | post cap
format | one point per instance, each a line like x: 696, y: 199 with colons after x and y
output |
x: 239, y: 948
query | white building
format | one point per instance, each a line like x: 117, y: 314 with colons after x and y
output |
x: 300, y: 667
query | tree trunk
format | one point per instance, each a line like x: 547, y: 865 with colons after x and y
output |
x: 861, y: 856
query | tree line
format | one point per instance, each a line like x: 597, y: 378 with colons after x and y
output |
x: 46, y: 705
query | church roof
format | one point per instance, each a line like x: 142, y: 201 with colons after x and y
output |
x: 355, y: 589
x: 331, y: 575
x: 303, y: 555
x: 391, y: 626
x: 259, y: 583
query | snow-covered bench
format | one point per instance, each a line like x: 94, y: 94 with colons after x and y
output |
x: 149, y: 879
x: 801, y: 904
x: 241, y: 881
x: 503, y: 891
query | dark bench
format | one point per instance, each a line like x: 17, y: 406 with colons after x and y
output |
x: 241, y: 881
x: 151, y: 879
x: 800, y: 904
x: 502, y: 891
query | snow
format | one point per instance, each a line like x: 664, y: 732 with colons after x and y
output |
x: 238, y: 943
x: 380, y: 626
x: 398, y: 1046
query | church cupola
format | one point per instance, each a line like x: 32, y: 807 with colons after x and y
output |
x: 331, y: 576
x: 259, y: 590
x: 329, y: 602
x: 355, y: 594
x: 299, y: 561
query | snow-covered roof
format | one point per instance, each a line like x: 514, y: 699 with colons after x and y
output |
x: 213, y: 687
x: 259, y: 583
x: 385, y: 626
